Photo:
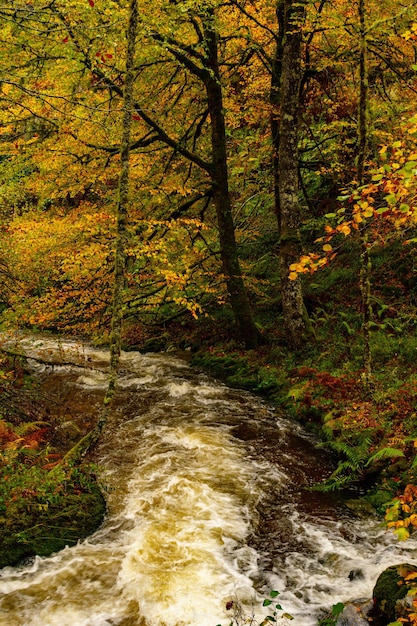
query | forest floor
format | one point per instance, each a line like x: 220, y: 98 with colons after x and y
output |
x: 46, y: 503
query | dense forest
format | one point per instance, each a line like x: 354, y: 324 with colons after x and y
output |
x: 236, y: 179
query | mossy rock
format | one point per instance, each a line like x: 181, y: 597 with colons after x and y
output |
x: 241, y: 381
x: 390, y: 588
x: 39, y: 528
x: 361, y: 508
x: 158, y: 343
x: 226, y: 367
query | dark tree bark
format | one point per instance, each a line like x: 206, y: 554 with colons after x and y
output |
x: 287, y: 174
x: 275, y: 101
x: 205, y: 66
x: 206, y: 69
x: 239, y: 300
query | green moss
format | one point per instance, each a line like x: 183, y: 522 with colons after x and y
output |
x: 243, y: 372
x: 231, y: 368
x: 381, y: 497
x: 389, y: 588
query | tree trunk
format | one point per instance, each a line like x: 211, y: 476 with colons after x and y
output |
x: 121, y: 228
x: 275, y: 101
x: 366, y: 261
x: 238, y: 295
x: 288, y: 184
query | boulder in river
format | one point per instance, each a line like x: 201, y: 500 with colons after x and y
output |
x: 355, y: 613
x: 389, y: 593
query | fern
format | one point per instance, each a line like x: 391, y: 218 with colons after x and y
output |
x: 385, y: 453
x: 350, y: 331
x: 348, y: 470
x: 357, y: 459
x: 25, y: 428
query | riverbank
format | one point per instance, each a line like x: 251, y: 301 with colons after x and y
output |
x: 369, y: 431
x: 46, y: 503
x: 208, y: 493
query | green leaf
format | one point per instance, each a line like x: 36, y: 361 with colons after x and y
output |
x: 393, y: 511
x: 274, y: 593
x: 337, y: 609
x: 330, y: 215
x: 402, y: 533
x: 266, y: 602
x: 385, y: 453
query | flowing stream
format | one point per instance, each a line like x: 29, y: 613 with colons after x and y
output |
x: 208, y: 501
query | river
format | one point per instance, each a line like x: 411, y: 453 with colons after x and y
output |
x: 208, y: 502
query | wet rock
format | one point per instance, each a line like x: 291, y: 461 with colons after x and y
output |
x: 246, y: 431
x: 388, y: 594
x: 403, y: 607
x: 330, y: 560
x: 360, y: 507
x: 355, y: 614
x: 355, y: 574
x: 68, y: 432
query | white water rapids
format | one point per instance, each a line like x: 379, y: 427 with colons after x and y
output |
x: 207, y: 502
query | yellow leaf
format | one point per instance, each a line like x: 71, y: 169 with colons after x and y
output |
x: 402, y: 533
x: 327, y: 247
x: 368, y: 213
x: 344, y: 228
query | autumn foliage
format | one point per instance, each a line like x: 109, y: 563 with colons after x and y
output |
x: 61, y: 113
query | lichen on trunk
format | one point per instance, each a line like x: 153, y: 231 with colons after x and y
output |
x: 366, y: 261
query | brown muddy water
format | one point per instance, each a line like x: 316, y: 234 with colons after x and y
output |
x: 208, y: 501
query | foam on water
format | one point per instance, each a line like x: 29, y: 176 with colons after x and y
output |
x: 184, y: 497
